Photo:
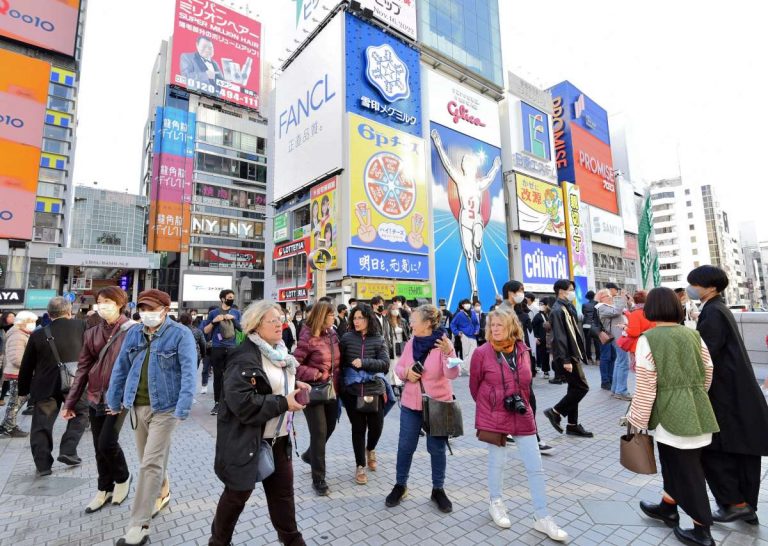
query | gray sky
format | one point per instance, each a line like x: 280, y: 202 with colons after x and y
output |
x: 686, y: 74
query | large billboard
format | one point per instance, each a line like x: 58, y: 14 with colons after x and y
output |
x: 23, y: 96
x: 383, y: 77
x: 582, y: 110
x: 539, y: 207
x: 470, y: 228
x: 49, y: 24
x: 543, y: 265
x: 217, y: 52
x: 607, y: 228
x: 397, y: 14
x: 324, y: 218
x: 197, y: 287
x: 308, y: 111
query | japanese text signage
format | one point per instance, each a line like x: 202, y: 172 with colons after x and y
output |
x: 577, y: 243
x: 543, y: 265
x: 217, y: 52
x: 49, y: 24
x: 363, y: 262
x: 383, y: 77
x: 398, y: 14
x: 280, y: 228
x: 539, y: 207
x: 308, y: 109
x: 366, y: 290
x: 325, y: 218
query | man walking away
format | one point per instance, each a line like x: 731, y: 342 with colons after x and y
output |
x: 39, y: 378
x: 590, y: 336
x: 222, y: 326
x: 568, y: 352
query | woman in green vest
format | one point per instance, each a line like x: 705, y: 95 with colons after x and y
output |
x: 674, y: 372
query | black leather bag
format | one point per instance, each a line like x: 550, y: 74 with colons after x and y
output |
x: 369, y: 399
x: 323, y: 392
x: 67, y: 370
x: 441, y: 418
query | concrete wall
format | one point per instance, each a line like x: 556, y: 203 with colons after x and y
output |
x: 754, y: 328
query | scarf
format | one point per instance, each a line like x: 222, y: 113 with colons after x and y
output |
x: 277, y: 354
x: 506, y: 346
x: 422, y: 345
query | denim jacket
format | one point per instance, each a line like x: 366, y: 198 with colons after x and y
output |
x: 171, y: 369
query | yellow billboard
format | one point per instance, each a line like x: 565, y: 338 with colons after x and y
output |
x: 324, y: 218
x: 540, y: 207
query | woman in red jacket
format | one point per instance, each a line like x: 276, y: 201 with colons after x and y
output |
x: 636, y: 325
x: 318, y: 355
x: 500, y: 383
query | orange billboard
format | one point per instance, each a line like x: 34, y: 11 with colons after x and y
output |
x: 50, y: 24
x: 23, y: 95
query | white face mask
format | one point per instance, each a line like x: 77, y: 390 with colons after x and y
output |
x: 466, y: 306
x: 394, y: 312
x: 571, y: 296
x: 29, y: 327
x: 108, y: 311
x: 478, y: 309
x: 519, y: 298
x: 152, y: 319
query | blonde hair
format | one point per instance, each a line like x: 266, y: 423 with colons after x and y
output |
x: 25, y: 316
x: 511, y: 324
x: 316, y: 319
x: 429, y: 313
x: 255, y: 312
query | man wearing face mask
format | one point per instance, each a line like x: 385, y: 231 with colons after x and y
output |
x: 222, y: 325
x: 154, y: 379
x: 466, y: 325
x: 377, y: 303
x: 39, y: 378
x: 568, y: 351
x: 478, y: 308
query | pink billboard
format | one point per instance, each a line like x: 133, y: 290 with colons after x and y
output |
x: 216, y: 52
x: 50, y: 24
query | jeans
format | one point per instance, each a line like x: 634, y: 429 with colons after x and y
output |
x: 528, y: 448
x: 321, y: 421
x: 14, y: 405
x: 41, y: 431
x: 218, y: 360
x: 410, y: 425
x: 110, y: 460
x: 372, y: 422
x: 620, y: 371
x: 607, y: 359
x: 206, y: 370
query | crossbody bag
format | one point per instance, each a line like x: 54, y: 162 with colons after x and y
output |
x: 265, y: 464
x: 324, y: 392
x: 67, y: 370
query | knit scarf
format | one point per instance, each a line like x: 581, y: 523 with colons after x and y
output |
x: 278, y: 353
x: 506, y: 346
x: 422, y: 345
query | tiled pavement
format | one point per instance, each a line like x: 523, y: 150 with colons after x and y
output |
x: 590, y: 495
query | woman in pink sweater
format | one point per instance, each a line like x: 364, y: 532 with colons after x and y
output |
x: 429, y: 351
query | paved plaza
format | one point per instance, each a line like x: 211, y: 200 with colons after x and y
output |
x: 590, y: 494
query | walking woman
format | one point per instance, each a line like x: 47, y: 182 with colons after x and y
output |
x: 319, y: 356
x: 101, y: 347
x: 430, y: 350
x: 257, y: 392
x: 398, y: 334
x: 500, y: 383
x: 16, y: 339
x: 674, y: 372
x: 364, y: 361
x: 732, y: 460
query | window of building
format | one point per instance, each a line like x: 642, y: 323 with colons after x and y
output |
x: 47, y: 219
x: 61, y: 105
x: 59, y: 133
x: 687, y: 192
x: 690, y: 215
x: 691, y: 227
x: 301, y: 217
x: 41, y: 274
x: 52, y: 175
x: 693, y: 239
x: 56, y: 146
x: 688, y: 203
x: 663, y: 195
x: 695, y: 252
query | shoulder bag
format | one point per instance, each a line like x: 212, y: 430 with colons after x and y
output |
x: 265, y: 464
x: 67, y: 370
x: 636, y: 451
x: 323, y: 392
x: 440, y: 418
x: 368, y: 401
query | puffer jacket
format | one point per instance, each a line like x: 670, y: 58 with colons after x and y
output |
x: 317, y: 355
x: 636, y: 325
x: 16, y: 340
x: 372, y: 350
x: 92, y: 373
x: 487, y: 389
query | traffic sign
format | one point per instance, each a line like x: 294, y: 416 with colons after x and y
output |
x: 131, y: 305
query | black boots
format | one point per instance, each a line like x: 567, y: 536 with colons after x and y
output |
x: 698, y: 536
x: 663, y: 511
x: 727, y: 514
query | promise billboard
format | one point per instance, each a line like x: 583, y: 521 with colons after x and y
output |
x: 216, y: 52
x: 49, y: 24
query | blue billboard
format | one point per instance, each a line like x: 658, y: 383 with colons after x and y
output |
x: 535, y: 132
x: 543, y: 265
x: 580, y: 109
x: 174, y: 132
x: 363, y: 262
x: 383, y: 77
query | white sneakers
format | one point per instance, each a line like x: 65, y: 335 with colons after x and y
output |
x: 98, y: 502
x: 204, y: 389
x: 136, y: 536
x: 548, y: 526
x: 498, y: 511
x: 121, y: 491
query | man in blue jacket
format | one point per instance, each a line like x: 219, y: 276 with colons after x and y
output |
x: 154, y: 379
x: 221, y: 327
x: 466, y: 325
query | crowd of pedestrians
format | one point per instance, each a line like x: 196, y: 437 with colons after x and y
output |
x: 695, y: 388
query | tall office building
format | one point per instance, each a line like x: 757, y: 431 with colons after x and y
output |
x: 39, y: 86
x: 753, y: 264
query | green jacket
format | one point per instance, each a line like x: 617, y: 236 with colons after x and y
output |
x: 682, y: 405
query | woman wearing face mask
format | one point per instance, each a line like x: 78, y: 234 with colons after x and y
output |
x: 15, y: 342
x: 6, y: 323
x: 466, y: 325
x: 398, y: 334
x: 732, y: 461
x: 478, y: 308
x: 101, y: 346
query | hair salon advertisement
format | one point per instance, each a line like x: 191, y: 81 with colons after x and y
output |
x: 216, y: 52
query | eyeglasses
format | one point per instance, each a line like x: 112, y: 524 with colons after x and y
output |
x: 359, y: 318
x: 273, y: 321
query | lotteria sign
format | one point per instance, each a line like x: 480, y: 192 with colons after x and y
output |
x: 543, y: 265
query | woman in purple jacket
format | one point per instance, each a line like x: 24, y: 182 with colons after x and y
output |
x: 500, y: 382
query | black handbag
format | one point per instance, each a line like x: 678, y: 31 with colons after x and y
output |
x: 323, y: 392
x: 67, y: 370
x: 441, y: 418
x: 265, y: 463
x: 368, y: 402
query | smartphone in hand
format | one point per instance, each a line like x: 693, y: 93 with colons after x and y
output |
x: 302, y: 397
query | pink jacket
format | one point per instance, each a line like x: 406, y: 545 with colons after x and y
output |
x: 436, y: 378
x: 486, y: 387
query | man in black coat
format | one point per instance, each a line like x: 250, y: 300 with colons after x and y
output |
x: 39, y: 378
x: 568, y: 354
x: 732, y: 461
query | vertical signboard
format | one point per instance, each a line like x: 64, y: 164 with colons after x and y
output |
x: 49, y: 24
x: 280, y: 228
x: 648, y: 265
x: 324, y: 218
x: 23, y: 96
x: 217, y: 52
x: 172, y: 169
x: 579, y: 254
x: 539, y: 207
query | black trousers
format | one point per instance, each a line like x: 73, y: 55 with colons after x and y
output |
x: 684, y: 481
x: 542, y: 357
x: 278, y: 489
x: 372, y: 422
x: 110, y: 460
x: 577, y: 390
x: 218, y: 360
x: 591, y: 340
x: 41, y: 431
x: 321, y: 421
x: 733, y: 478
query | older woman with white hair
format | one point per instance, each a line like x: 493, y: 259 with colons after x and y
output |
x: 259, y: 389
x: 16, y: 340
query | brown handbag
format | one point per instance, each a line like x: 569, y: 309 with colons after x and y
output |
x: 493, y: 438
x: 636, y: 451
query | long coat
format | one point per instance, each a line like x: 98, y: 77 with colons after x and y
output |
x: 740, y: 407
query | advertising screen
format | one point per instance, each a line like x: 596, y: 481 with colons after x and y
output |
x: 470, y: 227
x: 308, y: 111
x: 543, y: 265
x: 593, y: 170
x: 23, y: 95
x: 582, y: 110
x: 204, y: 287
x: 49, y: 24
x: 325, y: 218
x: 383, y: 77
x: 217, y: 52
x: 607, y: 228
x: 398, y: 14
x: 539, y: 207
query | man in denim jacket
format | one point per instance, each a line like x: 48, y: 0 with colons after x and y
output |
x: 154, y: 379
